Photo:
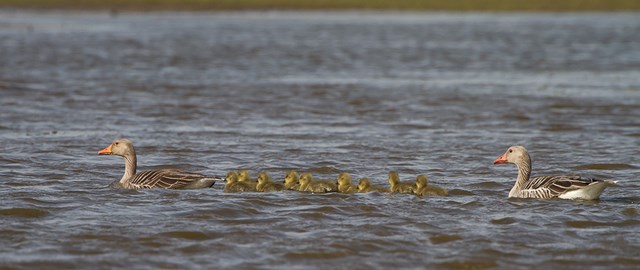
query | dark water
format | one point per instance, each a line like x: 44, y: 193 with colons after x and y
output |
x: 439, y: 94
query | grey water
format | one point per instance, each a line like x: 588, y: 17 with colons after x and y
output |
x: 441, y: 94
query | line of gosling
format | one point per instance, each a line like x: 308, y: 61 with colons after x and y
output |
x: 241, y: 182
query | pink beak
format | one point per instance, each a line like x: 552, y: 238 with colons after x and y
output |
x: 106, y: 150
x: 501, y: 160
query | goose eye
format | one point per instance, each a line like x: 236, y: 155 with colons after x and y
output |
x: 510, y: 150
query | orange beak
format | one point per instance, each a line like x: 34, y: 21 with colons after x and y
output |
x: 106, y: 150
x: 502, y: 159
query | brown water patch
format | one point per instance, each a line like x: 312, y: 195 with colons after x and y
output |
x: 581, y: 250
x: 564, y: 105
x: 606, y: 166
x: 460, y: 192
x: 24, y: 212
x: 444, y: 238
x: 468, y: 265
x: 561, y: 128
x: 189, y: 235
x: 368, y: 208
x: 152, y: 242
x: 20, y: 184
x: 589, y: 224
x: 193, y: 249
x: 630, y: 212
x: 54, y: 176
x: 628, y: 261
x: 503, y: 221
x: 315, y: 215
x: 11, y: 232
x: 324, y: 170
x: 324, y: 255
x: 518, y: 117
x: 46, y: 264
x: 487, y: 185
x: 251, y: 220
x: 76, y: 250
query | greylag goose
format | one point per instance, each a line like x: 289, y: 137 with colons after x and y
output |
x: 344, y: 184
x: 167, y: 178
x: 364, y: 185
x: 545, y: 187
x: 308, y: 185
x: 423, y: 188
x: 243, y: 176
x: 400, y: 187
x: 291, y: 181
x: 265, y: 184
x: 234, y: 185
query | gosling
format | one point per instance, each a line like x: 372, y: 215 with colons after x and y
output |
x: 243, y: 176
x: 344, y: 184
x: 423, y: 188
x: 233, y: 185
x: 308, y: 185
x: 400, y: 187
x: 364, y: 185
x: 291, y: 181
x: 265, y: 184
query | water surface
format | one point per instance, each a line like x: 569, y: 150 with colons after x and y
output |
x: 421, y: 93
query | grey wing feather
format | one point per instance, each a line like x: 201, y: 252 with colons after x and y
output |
x: 557, y: 184
x: 168, y: 179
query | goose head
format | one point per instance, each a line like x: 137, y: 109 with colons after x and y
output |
x: 515, y: 154
x: 119, y: 147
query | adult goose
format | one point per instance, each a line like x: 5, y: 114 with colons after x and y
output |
x: 546, y: 187
x: 167, y: 178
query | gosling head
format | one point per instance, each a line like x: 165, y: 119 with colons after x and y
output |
x: 305, y: 179
x: 344, y: 179
x: 393, y: 178
x: 243, y: 175
x: 291, y: 178
x: 263, y: 178
x: 363, y: 184
x: 421, y: 181
x: 232, y: 177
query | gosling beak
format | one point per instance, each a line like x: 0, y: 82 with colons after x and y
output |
x: 106, y: 150
x: 501, y: 160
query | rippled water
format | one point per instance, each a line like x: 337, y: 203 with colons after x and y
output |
x: 437, y: 94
